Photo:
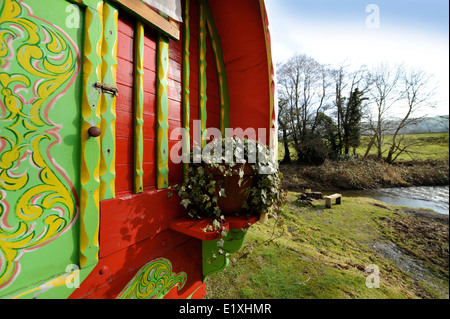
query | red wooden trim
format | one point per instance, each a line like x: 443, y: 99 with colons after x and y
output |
x: 194, y: 228
x: 239, y: 222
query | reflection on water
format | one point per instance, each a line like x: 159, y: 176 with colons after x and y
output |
x: 431, y: 197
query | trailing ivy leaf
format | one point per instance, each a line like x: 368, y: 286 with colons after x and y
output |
x: 222, y: 192
x: 185, y: 203
x: 241, y: 172
x: 216, y: 224
x: 224, y: 232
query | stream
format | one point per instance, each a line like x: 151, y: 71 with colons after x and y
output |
x: 431, y: 197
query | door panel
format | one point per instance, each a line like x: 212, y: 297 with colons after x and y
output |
x: 40, y: 85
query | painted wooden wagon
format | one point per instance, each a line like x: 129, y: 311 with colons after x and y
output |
x: 92, y: 94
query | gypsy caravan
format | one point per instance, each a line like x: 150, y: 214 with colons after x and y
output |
x: 94, y: 97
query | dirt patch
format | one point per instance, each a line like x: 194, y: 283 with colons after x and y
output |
x: 426, y: 214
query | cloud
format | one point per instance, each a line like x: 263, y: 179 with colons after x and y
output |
x: 331, y: 41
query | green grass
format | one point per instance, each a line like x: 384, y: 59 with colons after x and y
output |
x: 423, y: 146
x: 322, y: 253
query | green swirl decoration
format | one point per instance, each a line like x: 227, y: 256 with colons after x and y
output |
x: 153, y: 281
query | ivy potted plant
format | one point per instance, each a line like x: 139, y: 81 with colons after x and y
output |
x: 233, y: 177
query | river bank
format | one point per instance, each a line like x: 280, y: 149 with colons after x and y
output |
x: 356, y: 174
x: 311, y: 251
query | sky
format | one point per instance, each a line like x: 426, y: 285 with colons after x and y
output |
x: 413, y: 32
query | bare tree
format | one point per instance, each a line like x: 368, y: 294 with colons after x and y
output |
x: 417, y: 95
x: 385, y: 93
x: 397, y: 94
x: 303, y: 83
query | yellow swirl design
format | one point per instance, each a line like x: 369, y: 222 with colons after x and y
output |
x: 37, y: 63
x: 153, y: 281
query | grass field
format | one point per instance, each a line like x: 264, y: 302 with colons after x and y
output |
x: 314, y: 252
x: 423, y: 146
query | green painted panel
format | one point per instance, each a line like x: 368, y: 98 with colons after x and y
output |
x: 215, y: 253
x: 40, y: 85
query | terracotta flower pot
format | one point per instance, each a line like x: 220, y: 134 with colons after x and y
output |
x: 231, y: 205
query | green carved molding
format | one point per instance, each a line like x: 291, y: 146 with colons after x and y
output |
x: 186, y: 83
x: 90, y: 146
x: 108, y: 109
x: 220, y: 66
x: 162, y: 113
x: 139, y: 109
x: 202, y: 73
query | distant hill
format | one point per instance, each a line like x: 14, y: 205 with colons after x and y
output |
x: 435, y: 124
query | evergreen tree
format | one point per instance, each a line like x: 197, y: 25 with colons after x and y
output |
x: 352, y: 122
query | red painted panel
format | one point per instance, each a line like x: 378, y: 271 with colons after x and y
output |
x: 124, y: 150
x: 124, y: 72
x: 125, y: 98
x: 149, y: 128
x: 150, y: 38
x: 174, y: 127
x: 212, y: 89
x: 175, y: 170
x: 194, y: 99
x: 175, y: 67
x: 149, y: 101
x: 150, y: 80
x: 175, y: 110
x: 149, y: 52
x: 150, y: 151
x: 149, y: 175
x: 241, y: 30
x: 124, y: 124
x: 124, y: 179
x: 113, y: 272
x: 175, y: 91
x: 130, y: 219
x: 125, y: 52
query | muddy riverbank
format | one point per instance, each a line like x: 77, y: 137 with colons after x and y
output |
x: 358, y: 174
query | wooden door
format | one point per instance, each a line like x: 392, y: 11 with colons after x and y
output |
x: 40, y: 111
